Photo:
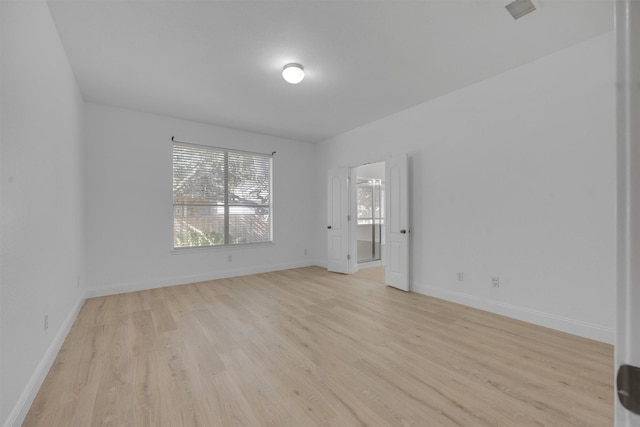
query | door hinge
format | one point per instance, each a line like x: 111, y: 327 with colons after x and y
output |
x: 348, y: 256
x: 348, y: 217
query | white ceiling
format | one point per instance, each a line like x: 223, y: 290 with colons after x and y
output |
x: 219, y: 62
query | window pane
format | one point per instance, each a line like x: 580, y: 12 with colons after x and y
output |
x: 365, y: 204
x: 198, y: 175
x: 198, y: 226
x: 370, y: 202
x: 249, y: 225
x: 249, y: 179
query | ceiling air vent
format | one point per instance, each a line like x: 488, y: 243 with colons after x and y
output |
x: 519, y: 8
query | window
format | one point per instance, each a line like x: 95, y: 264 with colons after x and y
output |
x: 370, y: 201
x: 220, y: 197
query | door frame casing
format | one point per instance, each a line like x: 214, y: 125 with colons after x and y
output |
x: 353, y: 224
x: 627, y: 346
x: 338, y: 221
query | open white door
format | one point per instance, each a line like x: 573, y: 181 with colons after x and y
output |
x: 353, y: 225
x: 397, y: 222
x: 627, y: 348
x: 338, y: 218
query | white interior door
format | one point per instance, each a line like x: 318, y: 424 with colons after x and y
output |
x: 353, y: 225
x: 627, y: 349
x: 338, y: 258
x: 397, y: 222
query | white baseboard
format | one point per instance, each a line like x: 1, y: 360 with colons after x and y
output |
x: 564, y: 324
x: 320, y: 263
x: 20, y: 410
x: 162, y: 283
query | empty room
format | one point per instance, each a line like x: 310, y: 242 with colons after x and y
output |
x: 318, y: 213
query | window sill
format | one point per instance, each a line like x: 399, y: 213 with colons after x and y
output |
x: 182, y: 251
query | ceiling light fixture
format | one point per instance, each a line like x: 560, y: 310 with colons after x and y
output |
x: 293, y: 73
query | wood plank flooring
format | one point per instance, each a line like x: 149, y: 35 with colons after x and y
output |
x: 305, y: 347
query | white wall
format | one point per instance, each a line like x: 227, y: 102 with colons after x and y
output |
x: 513, y: 177
x: 129, y: 203
x: 41, y: 239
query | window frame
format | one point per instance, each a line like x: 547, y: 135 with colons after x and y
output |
x: 226, y: 206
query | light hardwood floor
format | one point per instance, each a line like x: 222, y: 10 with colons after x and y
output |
x: 304, y: 348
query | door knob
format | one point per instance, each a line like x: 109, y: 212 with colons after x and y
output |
x: 628, y: 382
x: 329, y: 227
x: 403, y: 231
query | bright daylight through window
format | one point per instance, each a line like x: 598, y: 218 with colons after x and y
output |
x: 220, y: 197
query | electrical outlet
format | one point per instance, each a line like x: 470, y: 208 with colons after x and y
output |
x: 495, y: 281
x: 229, y: 258
x: 46, y: 322
x: 460, y: 276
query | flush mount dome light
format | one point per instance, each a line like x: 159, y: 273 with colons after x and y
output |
x: 293, y: 73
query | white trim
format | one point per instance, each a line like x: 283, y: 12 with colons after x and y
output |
x: 239, y: 246
x: 162, y: 283
x: 559, y: 323
x: 20, y: 410
x: 320, y: 263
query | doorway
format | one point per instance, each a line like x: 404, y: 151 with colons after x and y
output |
x: 392, y: 220
x: 370, y: 210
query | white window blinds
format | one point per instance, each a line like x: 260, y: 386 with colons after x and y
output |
x: 220, y: 197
